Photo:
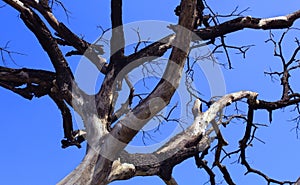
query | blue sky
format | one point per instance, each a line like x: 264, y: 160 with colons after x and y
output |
x: 31, y: 130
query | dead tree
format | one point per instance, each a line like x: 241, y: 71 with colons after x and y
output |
x: 105, y: 127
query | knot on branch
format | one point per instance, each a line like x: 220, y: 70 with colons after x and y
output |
x: 121, y: 170
x: 76, y: 140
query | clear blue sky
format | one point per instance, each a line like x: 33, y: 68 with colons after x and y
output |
x: 31, y: 130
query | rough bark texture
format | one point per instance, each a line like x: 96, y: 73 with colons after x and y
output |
x: 106, y: 160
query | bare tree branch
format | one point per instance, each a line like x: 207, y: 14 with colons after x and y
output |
x: 248, y: 22
x: 117, y: 41
x: 108, y: 131
x: 82, y: 46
